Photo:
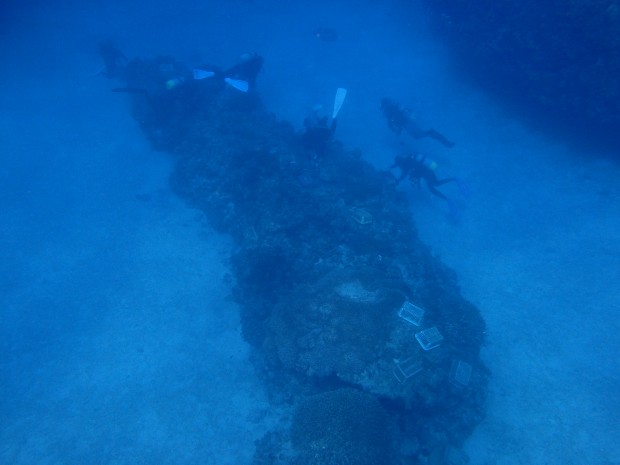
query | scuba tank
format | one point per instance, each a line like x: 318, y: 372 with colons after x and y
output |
x: 430, y: 164
x: 174, y: 82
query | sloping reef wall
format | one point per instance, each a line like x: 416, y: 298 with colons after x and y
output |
x: 357, y: 330
x: 557, y: 59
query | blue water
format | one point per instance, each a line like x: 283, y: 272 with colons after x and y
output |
x: 107, y: 354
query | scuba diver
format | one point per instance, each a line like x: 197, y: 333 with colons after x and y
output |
x: 165, y: 74
x: 319, y: 132
x: 399, y: 119
x: 167, y: 93
x: 418, y: 167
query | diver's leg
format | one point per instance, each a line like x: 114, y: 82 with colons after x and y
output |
x: 439, y: 137
x: 436, y: 192
x: 413, y: 130
x: 441, y: 182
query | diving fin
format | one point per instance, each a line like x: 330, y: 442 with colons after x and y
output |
x: 238, y: 84
x: 338, y: 101
x: 202, y: 74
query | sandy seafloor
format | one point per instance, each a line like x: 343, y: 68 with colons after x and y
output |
x: 119, y: 343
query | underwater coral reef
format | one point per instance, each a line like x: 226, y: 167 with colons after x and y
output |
x: 355, y: 326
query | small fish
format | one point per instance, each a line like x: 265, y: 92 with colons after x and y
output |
x: 326, y: 34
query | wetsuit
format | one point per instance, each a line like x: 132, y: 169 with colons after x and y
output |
x: 418, y: 167
x: 399, y: 120
x: 318, y: 134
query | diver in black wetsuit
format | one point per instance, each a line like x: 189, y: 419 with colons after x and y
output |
x: 318, y: 134
x: 399, y: 119
x: 152, y: 77
x: 418, y: 167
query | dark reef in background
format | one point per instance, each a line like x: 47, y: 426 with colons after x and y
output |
x: 325, y: 256
x: 555, y: 61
